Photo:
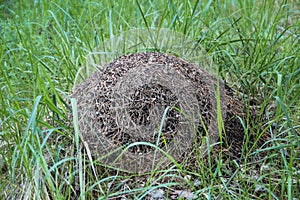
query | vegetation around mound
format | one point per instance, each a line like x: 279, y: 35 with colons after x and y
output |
x: 44, y: 46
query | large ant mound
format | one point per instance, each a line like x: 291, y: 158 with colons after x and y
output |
x: 164, y: 103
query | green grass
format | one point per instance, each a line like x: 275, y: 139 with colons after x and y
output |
x: 254, y: 44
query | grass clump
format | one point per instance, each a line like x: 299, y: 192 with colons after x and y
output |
x: 255, y: 45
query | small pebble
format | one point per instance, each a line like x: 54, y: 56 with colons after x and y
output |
x: 197, y: 182
x: 157, y: 194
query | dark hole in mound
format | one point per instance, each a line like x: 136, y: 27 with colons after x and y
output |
x: 151, y: 100
x: 145, y: 104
